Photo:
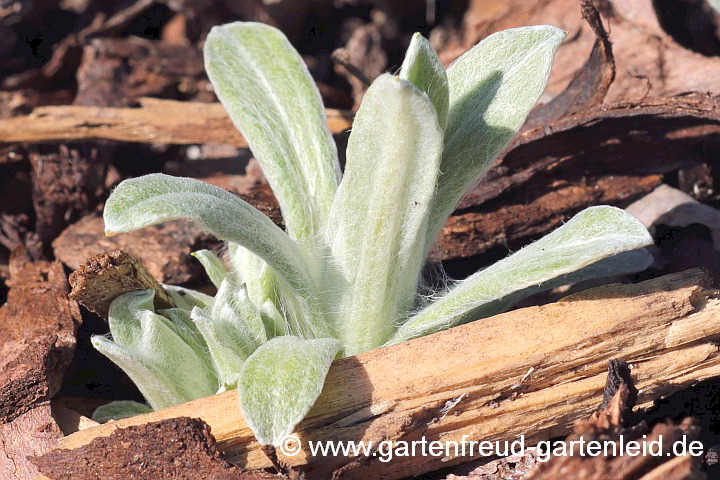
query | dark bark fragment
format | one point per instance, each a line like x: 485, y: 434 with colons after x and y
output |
x: 37, y: 335
x: 606, y: 426
x: 179, y: 448
x: 163, y: 249
x: 68, y: 182
x: 116, y: 71
x: 105, y: 277
x: 611, y: 154
x: 32, y: 433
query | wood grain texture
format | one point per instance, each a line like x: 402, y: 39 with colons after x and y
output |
x: 156, y: 121
x: 532, y: 371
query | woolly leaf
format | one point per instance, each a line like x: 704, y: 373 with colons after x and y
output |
x: 140, y: 202
x: 280, y: 383
x: 119, y: 410
x: 271, y: 97
x: 232, y: 329
x: 590, y: 236
x: 423, y: 69
x: 180, y: 321
x: 213, y: 265
x: 259, y: 279
x: 492, y: 89
x: 378, y: 220
x: 186, y: 298
x: 147, y: 347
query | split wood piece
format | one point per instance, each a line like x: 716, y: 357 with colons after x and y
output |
x: 156, y: 121
x: 532, y: 371
x: 105, y: 277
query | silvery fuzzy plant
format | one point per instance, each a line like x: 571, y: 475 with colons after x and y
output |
x: 346, y: 274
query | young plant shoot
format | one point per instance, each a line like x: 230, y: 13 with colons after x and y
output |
x: 345, y: 276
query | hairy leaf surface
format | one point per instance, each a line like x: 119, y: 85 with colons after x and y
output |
x: 155, y: 198
x: 213, y: 265
x: 280, y: 383
x: 266, y: 88
x: 590, y: 236
x: 232, y: 329
x: 423, y: 68
x: 379, y: 217
x: 492, y: 89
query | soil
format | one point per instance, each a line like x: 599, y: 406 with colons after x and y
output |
x: 630, y: 117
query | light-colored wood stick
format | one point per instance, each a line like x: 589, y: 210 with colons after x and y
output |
x: 529, y: 372
x: 156, y: 121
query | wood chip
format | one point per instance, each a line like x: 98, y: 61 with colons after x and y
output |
x: 32, y: 433
x: 175, y: 449
x: 163, y: 249
x: 37, y: 334
x: 105, y: 277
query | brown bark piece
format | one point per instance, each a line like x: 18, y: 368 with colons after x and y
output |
x: 68, y: 182
x: 163, y: 249
x: 611, y: 154
x: 532, y: 371
x: 606, y: 426
x: 37, y: 334
x: 116, y: 71
x: 591, y: 82
x: 105, y: 277
x: 649, y: 62
x: 32, y: 433
x: 178, y: 449
x: 514, y: 467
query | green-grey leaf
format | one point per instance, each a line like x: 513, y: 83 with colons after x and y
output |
x: 147, y: 346
x: 590, y: 236
x: 259, y: 279
x: 232, y: 329
x: 266, y: 88
x: 423, y: 68
x: 280, y: 383
x: 143, y: 201
x: 213, y: 265
x: 180, y: 321
x: 492, y: 89
x: 186, y: 298
x: 379, y: 218
x: 118, y: 410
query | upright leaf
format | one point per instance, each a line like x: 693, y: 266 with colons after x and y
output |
x: 590, y: 236
x: 232, y: 329
x: 140, y: 202
x: 492, y: 89
x: 186, y: 298
x: 259, y: 279
x: 271, y: 97
x: 213, y: 265
x: 280, y: 383
x: 423, y: 68
x: 379, y: 218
